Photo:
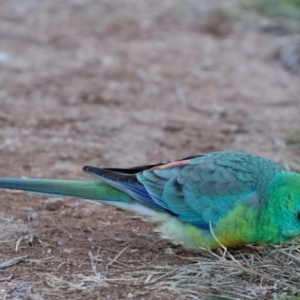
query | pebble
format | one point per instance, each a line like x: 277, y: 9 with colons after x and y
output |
x: 54, y: 203
x: 60, y: 243
x: 133, y: 250
x: 32, y: 216
x: 169, y: 251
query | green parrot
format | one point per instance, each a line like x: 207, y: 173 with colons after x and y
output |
x: 202, y: 201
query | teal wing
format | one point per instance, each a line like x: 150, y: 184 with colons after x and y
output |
x: 199, y: 190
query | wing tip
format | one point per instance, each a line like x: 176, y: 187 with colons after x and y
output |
x: 92, y: 170
x: 86, y: 168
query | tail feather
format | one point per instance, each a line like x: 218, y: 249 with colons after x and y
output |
x: 92, y: 190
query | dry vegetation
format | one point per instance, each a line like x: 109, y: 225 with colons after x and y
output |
x: 120, y: 83
x: 253, y: 273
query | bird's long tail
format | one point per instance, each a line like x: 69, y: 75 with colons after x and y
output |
x: 92, y: 190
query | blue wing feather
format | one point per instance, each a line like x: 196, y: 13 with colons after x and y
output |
x: 200, y: 190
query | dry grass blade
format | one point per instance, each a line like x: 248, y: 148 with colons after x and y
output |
x: 116, y: 257
x: 12, y: 261
x: 76, y: 283
x: 28, y: 238
x: 6, y: 278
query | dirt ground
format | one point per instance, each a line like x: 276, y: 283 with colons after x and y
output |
x: 117, y: 84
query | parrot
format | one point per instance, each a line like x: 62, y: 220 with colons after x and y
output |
x: 206, y: 201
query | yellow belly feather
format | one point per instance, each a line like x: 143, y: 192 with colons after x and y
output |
x: 233, y: 230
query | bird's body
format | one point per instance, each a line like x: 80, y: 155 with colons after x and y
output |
x: 202, y: 201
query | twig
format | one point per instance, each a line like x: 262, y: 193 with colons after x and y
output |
x: 12, y: 261
x: 29, y: 238
x: 6, y: 278
x: 116, y: 257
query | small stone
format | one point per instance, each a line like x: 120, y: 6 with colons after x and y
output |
x: 32, y: 216
x: 133, y: 250
x: 90, y: 239
x: 117, y: 239
x: 129, y: 295
x: 60, y: 243
x: 54, y: 203
x: 169, y: 251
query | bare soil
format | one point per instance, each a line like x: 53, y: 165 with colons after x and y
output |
x: 117, y: 84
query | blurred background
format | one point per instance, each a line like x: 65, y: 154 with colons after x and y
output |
x: 130, y: 82
x: 117, y: 83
